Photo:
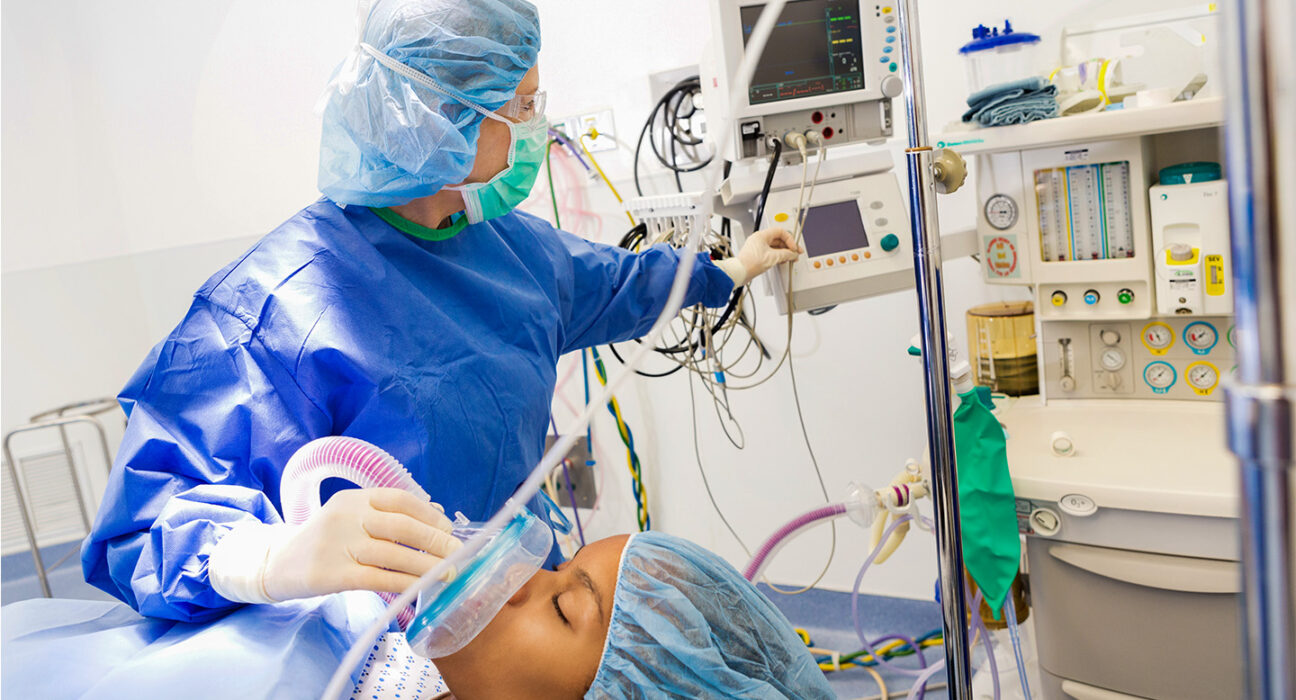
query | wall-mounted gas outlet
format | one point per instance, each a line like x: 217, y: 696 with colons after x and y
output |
x: 580, y: 470
x: 597, y: 122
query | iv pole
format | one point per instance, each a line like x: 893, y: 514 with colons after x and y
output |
x: 936, y: 381
x: 1260, y: 147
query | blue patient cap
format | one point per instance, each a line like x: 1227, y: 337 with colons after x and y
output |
x: 388, y: 140
x: 686, y: 624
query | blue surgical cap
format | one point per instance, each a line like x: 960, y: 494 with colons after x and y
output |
x: 388, y: 140
x: 686, y: 624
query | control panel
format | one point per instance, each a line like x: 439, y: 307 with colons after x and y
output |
x: 1162, y: 358
x: 857, y: 241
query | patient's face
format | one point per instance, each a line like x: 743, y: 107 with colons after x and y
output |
x: 548, y: 639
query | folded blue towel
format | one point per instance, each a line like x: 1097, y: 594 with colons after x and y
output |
x: 1017, y: 102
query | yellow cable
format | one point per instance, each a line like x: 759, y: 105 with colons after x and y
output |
x: 886, y: 695
x: 594, y: 134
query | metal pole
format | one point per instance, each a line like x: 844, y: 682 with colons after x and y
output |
x: 1259, y: 139
x: 936, y: 382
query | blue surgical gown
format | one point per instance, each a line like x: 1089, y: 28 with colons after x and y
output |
x: 443, y: 353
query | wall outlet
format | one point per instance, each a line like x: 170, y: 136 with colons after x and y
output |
x: 599, y: 121
x: 661, y: 81
x: 580, y: 469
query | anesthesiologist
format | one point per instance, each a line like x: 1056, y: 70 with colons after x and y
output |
x: 411, y: 307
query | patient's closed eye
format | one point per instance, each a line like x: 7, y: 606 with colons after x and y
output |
x: 559, y: 610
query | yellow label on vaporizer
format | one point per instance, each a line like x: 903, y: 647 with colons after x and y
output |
x: 1215, y: 275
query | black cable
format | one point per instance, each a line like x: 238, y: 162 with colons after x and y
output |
x: 769, y: 180
x: 669, y: 104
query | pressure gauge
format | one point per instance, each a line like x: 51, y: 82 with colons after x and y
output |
x: 1001, y: 211
x: 1160, y: 376
x: 1112, y: 359
x: 1158, y: 338
x: 1201, y: 337
x: 1203, y: 377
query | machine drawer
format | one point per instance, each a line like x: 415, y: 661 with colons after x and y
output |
x: 1137, y: 623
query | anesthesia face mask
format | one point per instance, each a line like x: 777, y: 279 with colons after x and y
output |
x: 449, y: 614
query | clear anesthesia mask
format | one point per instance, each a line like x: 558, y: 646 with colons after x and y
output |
x: 449, y: 614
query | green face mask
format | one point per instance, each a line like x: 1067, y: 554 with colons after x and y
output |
x: 508, y: 189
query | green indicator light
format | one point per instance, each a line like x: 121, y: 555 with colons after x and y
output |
x: 893, y: 67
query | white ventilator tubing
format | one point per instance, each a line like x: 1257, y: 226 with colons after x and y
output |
x: 341, y: 681
x: 357, y: 461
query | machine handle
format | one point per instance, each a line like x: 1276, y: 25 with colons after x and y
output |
x: 1162, y: 571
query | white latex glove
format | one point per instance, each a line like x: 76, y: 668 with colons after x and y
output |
x: 761, y: 251
x: 378, y: 540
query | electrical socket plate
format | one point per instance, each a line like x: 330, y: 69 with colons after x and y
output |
x: 661, y: 81
x: 580, y: 469
x: 600, y: 121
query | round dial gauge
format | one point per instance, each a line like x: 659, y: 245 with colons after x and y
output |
x: 1202, y: 376
x: 1001, y: 211
x: 1201, y: 336
x: 1112, y: 359
x: 1159, y: 376
x: 1158, y: 336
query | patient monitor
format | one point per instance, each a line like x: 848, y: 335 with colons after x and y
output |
x: 827, y: 75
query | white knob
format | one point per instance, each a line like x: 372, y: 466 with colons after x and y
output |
x: 1062, y: 444
x: 892, y: 86
x: 1067, y: 382
x: 1181, y: 252
x: 1110, y: 337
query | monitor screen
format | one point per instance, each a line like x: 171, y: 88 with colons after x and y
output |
x: 834, y: 228
x: 815, y: 49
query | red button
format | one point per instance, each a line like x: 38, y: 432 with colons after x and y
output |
x: 828, y: 132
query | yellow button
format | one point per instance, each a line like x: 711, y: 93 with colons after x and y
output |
x: 841, y: 259
x: 830, y: 262
x: 854, y: 256
x: 886, y: 10
x: 781, y: 217
x: 1059, y: 298
x: 867, y: 255
x: 818, y: 264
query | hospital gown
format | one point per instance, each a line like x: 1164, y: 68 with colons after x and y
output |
x: 442, y: 353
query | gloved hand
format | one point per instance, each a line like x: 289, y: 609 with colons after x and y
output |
x: 362, y: 539
x: 761, y: 251
x: 378, y: 540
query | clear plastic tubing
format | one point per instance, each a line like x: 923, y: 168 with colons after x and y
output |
x: 354, y: 460
x: 1010, y: 610
x: 340, y: 682
x: 801, y: 521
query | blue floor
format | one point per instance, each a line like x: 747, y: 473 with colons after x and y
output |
x: 826, y: 615
x: 18, y: 575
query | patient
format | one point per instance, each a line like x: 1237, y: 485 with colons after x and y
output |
x: 647, y: 615
x: 641, y: 616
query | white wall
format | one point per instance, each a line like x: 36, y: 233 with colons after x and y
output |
x: 147, y: 142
